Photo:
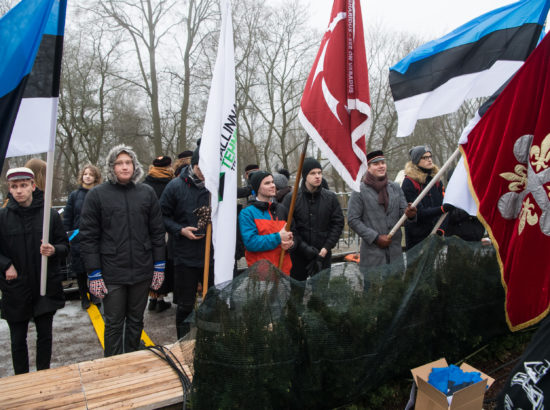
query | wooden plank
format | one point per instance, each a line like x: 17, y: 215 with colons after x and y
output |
x: 134, y: 380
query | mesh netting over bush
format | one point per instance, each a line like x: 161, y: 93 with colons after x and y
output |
x: 267, y: 341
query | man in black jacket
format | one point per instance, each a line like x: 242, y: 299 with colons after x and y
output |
x: 122, y: 243
x: 319, y: 222
x: 20, y: 260
x: 179, y: 201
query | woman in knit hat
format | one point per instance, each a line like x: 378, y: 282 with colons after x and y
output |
x: 419, y: 171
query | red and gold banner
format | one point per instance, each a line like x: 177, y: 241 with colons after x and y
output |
x: 508, y: 160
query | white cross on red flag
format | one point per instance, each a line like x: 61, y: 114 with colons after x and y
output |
x: 335, y: 106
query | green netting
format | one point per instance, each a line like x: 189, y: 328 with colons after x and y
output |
x: 267, y: 341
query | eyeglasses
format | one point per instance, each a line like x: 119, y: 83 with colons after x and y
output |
x: 426, y: 157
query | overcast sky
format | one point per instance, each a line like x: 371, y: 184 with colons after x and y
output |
x: 427, y: 18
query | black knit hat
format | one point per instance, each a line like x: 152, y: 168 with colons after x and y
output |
x: 284, y: 171
x: 309, y: 164
x: 195, y: 157
x: 162, y: 161
x: 250, y: 167
x: 185, y: 154
x: 256, y: 179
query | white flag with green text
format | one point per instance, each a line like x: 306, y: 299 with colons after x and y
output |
x: 218, y: 151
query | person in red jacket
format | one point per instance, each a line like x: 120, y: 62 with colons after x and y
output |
x: 262, y: 224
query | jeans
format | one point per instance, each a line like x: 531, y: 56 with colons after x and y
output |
x: 124, y: 307
x: 19, y: 350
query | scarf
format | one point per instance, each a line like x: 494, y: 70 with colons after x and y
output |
x: 380, y: 186
x: 161, y: 172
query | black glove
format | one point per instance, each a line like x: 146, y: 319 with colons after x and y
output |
x: 314, y: 266
x: 310, y: 252
x: 447, y: 207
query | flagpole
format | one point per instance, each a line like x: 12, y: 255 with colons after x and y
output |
x: 294, y: 194
x: 50, y: 158
x: 206, y: 260
x: 422, y: 194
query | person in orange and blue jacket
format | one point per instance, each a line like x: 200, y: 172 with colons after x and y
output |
x: 262, y: 224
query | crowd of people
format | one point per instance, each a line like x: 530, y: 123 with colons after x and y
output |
x: 133, y: 243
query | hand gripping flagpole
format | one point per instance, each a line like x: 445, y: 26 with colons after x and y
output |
x: 422, y: 194
x: 294, y: 193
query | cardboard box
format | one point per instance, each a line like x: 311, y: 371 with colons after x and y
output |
x: 429, y: 398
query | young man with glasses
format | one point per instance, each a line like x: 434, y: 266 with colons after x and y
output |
x: 419, y: 171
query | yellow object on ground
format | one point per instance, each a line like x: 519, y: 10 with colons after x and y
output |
x: 99, y: 326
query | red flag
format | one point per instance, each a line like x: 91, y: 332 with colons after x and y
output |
x: 335, y: 106
x: 508, y: 160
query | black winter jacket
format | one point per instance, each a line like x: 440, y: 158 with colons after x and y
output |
x: 71, y: 216
x: 158, y: 184
x: 121, y: 232
x: 318, y: 219
x: 428, y: 210
x: 178, y: 201
x: 20, y: 239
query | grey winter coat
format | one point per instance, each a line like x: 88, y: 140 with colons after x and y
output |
x: 369, y: 219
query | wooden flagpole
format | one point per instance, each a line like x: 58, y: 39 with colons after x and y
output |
x: 206, y: 259
x: 426, y: 190
x: 294, y: 193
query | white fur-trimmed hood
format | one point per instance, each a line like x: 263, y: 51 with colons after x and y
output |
x: 111, y: 158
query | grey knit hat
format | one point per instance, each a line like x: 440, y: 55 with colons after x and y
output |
x: 280, y: 181
x: 111, y: 158
x: 417, y: 152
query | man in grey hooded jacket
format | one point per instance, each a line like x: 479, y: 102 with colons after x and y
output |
x: 122, y: 243
x: 374, y: 210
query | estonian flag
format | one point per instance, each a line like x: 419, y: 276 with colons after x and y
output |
x: 31, y: 46
x: 472, y: 61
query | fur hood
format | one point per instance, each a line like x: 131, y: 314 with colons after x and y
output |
x: 415, y: 173
x: 111, y: 157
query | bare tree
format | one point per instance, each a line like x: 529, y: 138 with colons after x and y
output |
x: 146, y: 22
x: 199, y: 14
x: 87, y: 91
x: 273, y: 68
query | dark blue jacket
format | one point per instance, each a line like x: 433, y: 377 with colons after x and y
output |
x: 71, y: 216
x: 180, y: 198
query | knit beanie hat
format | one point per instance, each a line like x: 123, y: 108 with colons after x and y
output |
x: 309, y: 164
x: 280, y: 181
x: 417, y: 152
x: 162, y: 161
x: 256, y: 179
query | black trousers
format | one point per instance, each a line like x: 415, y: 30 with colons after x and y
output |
x: 19, y: 350
x: 124, y: 307
x: 186, y: 281
x: 77, y: 265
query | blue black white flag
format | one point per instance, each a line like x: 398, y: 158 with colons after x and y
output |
x: 472, y: 61
x: 31, y: 47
